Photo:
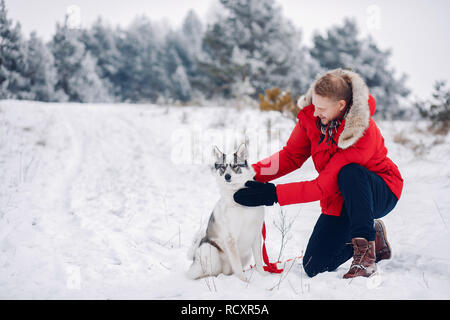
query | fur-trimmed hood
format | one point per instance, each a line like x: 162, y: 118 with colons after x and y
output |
x: 358, y: 117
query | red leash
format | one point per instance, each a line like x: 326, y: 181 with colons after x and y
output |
x: 270, y: 266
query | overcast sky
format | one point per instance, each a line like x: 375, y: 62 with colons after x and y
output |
x: 415, y: 30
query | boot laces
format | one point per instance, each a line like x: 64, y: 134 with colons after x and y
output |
x: 358, y: 256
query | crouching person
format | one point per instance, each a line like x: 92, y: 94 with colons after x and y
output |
x: 357, y: 183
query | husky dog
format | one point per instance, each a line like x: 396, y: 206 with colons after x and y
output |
x: 234, y: 231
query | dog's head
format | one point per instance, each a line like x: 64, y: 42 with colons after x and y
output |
x: 232, y: 171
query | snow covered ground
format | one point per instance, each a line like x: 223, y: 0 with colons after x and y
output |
x: 102, y: 202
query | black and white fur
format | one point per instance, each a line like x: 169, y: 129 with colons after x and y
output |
x: 233, y: 233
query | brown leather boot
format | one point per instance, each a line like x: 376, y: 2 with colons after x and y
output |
x: 363, y: 264
x: 382, y: 248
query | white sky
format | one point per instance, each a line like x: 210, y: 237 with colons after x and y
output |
x: 415, y: 30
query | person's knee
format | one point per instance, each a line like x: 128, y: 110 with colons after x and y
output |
x: 326, y: 264
x: 309, y: 270
x: 312, y: 268
x: 349, y: 172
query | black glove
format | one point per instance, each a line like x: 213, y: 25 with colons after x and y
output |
x: 256, y: 194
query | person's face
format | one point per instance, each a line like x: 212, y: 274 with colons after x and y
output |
x: 327, y: 109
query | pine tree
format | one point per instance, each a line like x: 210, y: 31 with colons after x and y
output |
x: 182, y: 49
x: 252, y: 39
x: 13, y: 83
x: 217, y: 67
x: 342, y: 48
x: 41, y: 71
x: 437, y: 109
x: 141, y: 74
x: 192, y: 31
x: 100, y: 42
x: 172, y: 62
x: 76, y: 68
x: 190, y: 49
x: 189, y: 42
x: 181, y: 85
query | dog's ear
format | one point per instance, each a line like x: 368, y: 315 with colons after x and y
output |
x: 217, y: 154
x: 242, y: 152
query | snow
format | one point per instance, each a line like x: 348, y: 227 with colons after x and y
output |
x: 101, y: 201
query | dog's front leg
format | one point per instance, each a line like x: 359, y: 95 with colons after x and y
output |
x: 257, y: 255
x: 232, y: 252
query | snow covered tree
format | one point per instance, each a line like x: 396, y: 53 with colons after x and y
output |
x: 339, y: 47
x: 180, y: 83
x: 252, y: 39
x: 180, y: 88
x: 76, y: 68
x: 100, y: 42
x: 141, y: 74
x: 191, y: 51
x: 192, y: 30
x: 437, y: 109
x: 342, y: 48
x: 182, y: 49
x: 13, y: 82
x: 189, y: 46
x: 41, y: 71
x: 217, y: 68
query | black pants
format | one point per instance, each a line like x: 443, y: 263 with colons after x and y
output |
x: 366, y: 197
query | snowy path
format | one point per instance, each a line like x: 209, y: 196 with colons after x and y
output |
x: 93, y: 205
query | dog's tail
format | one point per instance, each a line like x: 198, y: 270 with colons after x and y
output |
x: 207, y: 262
x: 195, y: 242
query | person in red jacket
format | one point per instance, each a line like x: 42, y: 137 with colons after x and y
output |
x: 357, y: 183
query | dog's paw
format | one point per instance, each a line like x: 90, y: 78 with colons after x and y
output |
x: 242, y: 277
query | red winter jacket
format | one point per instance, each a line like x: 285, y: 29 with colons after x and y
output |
x: 359, y: 141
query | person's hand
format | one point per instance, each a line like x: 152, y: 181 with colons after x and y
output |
x: 256, y: 194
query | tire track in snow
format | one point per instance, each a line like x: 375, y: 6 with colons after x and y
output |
x: 77, y: 138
